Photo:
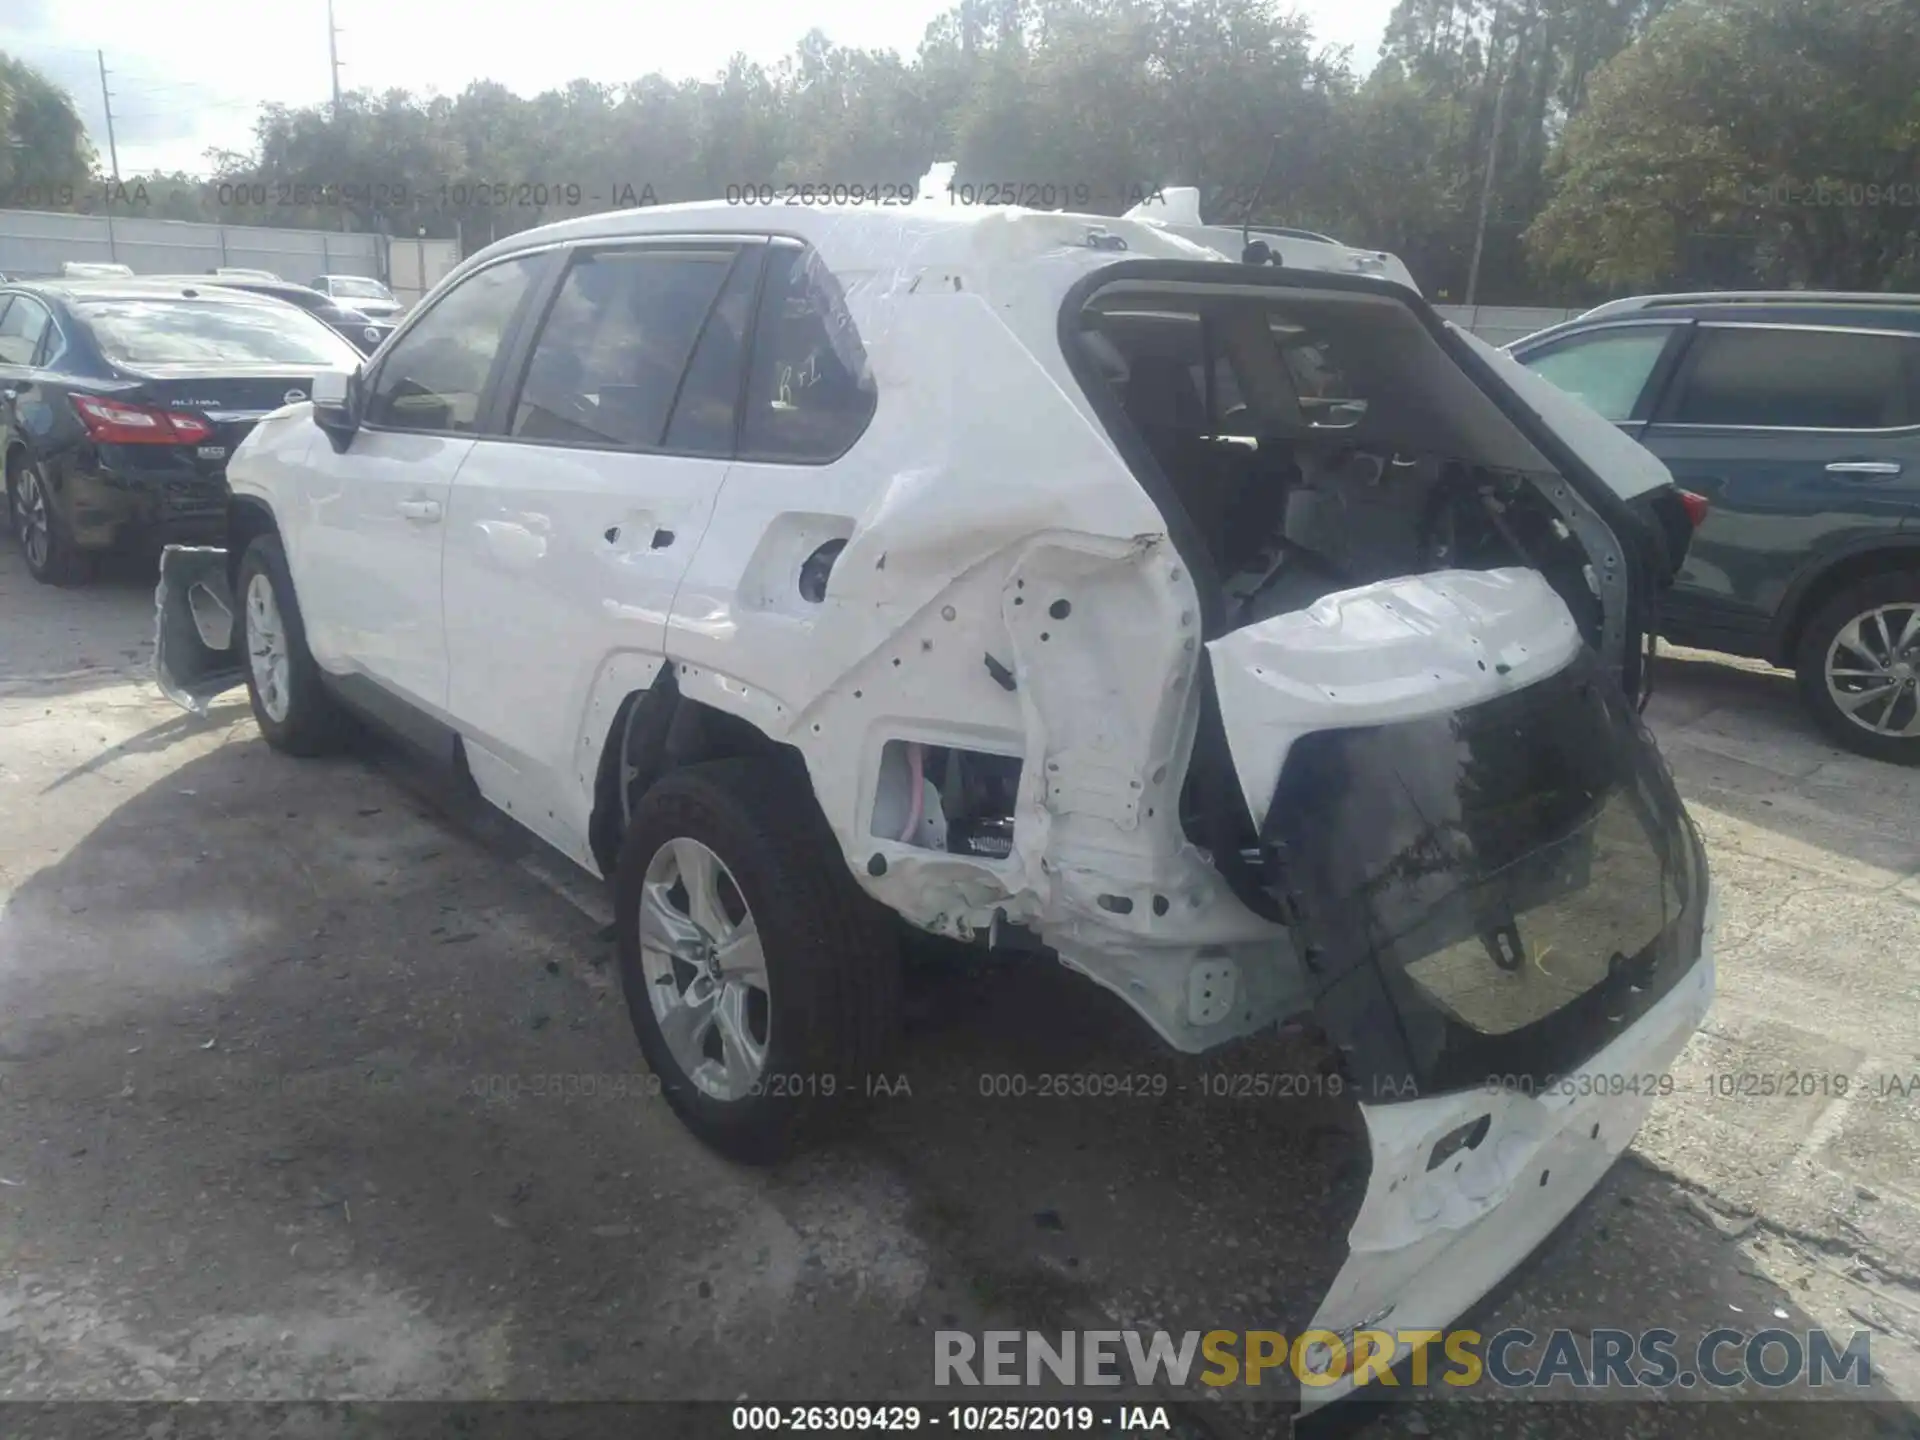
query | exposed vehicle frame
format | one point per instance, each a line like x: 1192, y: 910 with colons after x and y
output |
x: 1006, y: 585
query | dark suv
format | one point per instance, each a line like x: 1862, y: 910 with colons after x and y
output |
x: 1797, y: 416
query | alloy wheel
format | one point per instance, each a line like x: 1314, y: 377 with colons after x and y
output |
x: 706, y: 975
x: 1873, y: 670
x: 267, y: 648
x: 30, y: 514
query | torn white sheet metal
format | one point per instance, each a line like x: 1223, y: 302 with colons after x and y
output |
x: 1428, y: 1244
x: 196, y: 641
x: 1389, y: 651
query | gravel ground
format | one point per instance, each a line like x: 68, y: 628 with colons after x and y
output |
x: 316, y: 1084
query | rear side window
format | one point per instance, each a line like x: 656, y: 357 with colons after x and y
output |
x: 611, y: 351
x: 809, y: 394
x: 703, y: 416
x: 139, y: 333
x: 1806, y: 379
x: 22, y: 327
x: 434, y: 375
x: 1605, y: 368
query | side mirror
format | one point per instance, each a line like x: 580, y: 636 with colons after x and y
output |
x: 336, y: 405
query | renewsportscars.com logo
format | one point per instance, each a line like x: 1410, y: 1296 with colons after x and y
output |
x: 1604, y: 1359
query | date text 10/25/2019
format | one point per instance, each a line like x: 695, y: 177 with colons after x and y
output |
x: 959, y: 1419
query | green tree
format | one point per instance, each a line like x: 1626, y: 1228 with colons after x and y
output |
x: 43, y: 141
x: 1784, y: 132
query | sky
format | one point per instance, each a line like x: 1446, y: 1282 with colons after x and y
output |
x: 195, y: 79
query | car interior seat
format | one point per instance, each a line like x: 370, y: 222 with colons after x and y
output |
x: 1164, y: 403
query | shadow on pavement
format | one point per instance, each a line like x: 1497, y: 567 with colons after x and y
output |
x: 1741, y: 744
x: 69, y: 640
x: 308, y: 1095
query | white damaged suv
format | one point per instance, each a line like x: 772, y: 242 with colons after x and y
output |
x: 1244, y: 637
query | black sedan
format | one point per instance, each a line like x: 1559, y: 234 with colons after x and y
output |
x: 362, y: 331
x: 120, y: 401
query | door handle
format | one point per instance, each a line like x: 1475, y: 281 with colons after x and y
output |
x: 420, y: 509
x: 1865, y: 468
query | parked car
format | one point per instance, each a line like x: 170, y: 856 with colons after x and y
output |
x: 360, y: 330
x: 366, y: 295
x: 242, y: 272
x: 120, y: 401
x: 787, y: 603
x: 93, y: 269
x: 1797, y: 417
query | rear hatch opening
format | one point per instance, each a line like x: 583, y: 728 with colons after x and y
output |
x: 1418, y: 747
x: 1413, y: 736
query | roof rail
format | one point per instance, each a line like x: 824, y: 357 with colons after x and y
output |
x: 1753, y: 297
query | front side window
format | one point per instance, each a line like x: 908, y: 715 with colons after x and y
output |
x: 1607, y: 368
x: 1803, y: 379
x: 182, y: 331
x: 809, y: 393
x: 433, y: 377
x: 614, y: 344
x: 22, y: 328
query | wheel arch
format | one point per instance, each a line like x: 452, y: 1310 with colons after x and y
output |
x: 1835, y: 573
x: 655, y: 731
x: 248, y: 517
x: 17, y: 454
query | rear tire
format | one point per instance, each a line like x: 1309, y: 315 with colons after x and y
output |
x: 1858, y: 664
x: 827, y: 1013
x: 52, y: 556
x: 291, y: 705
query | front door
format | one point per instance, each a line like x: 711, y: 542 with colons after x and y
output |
x: 366, y: 536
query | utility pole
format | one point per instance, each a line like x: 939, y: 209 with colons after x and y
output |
x: 113, y: 152
x: 106, y: 100
x: 333, y: 57
x: 333, y: 70
x: 1493, y: 161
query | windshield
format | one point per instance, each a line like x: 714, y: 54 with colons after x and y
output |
x: 350, y: 288
x: 1490, y: 894
x: 205, y: 332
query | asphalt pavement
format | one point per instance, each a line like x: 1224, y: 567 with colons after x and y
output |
x: 314, y: 1083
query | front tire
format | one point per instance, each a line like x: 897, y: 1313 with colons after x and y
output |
x: 763, y: 984
x: 295, y: 713
x: 1858, y: 664
x: 52, y: 556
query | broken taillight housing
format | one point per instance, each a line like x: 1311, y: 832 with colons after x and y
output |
x: 115, y: 422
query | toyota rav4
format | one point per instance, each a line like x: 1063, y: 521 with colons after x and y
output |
x: 1242, y: 636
